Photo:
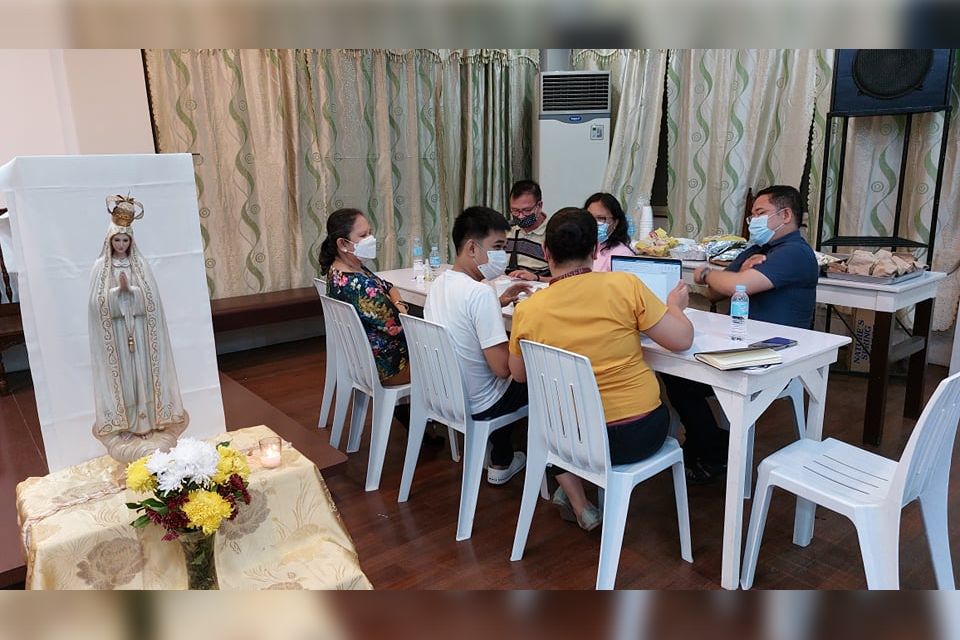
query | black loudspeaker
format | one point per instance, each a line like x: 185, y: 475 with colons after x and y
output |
x: 883, y: 81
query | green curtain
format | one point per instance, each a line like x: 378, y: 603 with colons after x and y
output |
x: 284, y: 137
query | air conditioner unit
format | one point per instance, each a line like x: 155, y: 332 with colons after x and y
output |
x: 571, y: 138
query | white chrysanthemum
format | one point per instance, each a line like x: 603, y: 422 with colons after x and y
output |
x: 195, y: 460
x: 191, y: 460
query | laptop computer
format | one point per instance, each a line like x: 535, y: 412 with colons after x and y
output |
x: 660, y: 275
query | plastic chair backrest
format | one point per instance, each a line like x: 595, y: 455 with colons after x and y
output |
x: 930, y: 447
x: 353, y: 348
x: 321, y: 286
x: 565, y: 403
x: 435, y: 370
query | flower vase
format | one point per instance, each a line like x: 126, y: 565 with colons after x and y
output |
x: 199, y: 552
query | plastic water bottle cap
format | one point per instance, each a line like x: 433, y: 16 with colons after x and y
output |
x: 741, y: 287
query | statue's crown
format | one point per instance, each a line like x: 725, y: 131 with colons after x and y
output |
x: 124, y: 210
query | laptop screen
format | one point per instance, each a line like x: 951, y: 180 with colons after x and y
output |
x: 659, y: 274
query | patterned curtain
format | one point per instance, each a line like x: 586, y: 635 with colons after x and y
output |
x: 871, y: 176
x: 736, y: 119
x: 284, y: 137
x: 637, y: 78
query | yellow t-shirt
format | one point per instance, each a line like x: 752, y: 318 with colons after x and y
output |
x: 598, y: 315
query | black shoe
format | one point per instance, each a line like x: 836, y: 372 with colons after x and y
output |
x: 431, y: 439
x: 700, y: 472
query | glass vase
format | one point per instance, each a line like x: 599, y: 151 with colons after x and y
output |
x: 199, y: 553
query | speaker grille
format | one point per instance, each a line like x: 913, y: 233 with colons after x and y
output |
x: 886, y: 74
x: 575, y: 92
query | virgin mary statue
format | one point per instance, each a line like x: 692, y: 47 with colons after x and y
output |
x: 138, y: 403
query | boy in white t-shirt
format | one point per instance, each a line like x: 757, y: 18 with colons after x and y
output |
x: 471, y: 312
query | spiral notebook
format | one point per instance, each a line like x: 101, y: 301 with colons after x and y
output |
x: 739, y: 358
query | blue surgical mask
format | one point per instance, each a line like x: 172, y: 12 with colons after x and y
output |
x: 603, y: 232
x: 760, y: 233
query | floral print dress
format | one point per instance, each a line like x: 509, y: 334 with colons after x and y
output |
x: 369, y: 295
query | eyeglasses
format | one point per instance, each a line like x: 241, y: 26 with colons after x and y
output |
x: 766, y: 213
x: 525, y: 211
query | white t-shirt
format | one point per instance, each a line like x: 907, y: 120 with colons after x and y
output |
x: 471, y: 313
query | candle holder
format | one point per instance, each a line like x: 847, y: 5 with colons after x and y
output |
x: 270, y: 452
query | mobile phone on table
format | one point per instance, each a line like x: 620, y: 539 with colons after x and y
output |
x: 774, y: 343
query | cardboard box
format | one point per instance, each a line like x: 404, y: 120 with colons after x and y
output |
x: 863, y: 321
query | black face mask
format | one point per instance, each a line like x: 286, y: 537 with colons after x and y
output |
x: 527, y: 221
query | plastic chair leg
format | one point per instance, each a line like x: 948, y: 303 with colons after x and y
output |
x: 379, y: 436
x: 359, y: 415
x: 880, y: 547
x: 758, y: 520
x: 329, y: 385
x: 616, y: 503
x: 534, y: 477
x: 454, y: 447
x: 344, y: 399
x: 418, y: 424
x: 933, y: 506
x: 683, y: 510
x: 474, y: 448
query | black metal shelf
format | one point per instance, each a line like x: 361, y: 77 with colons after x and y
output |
x: 873, y: 241
x: 895, y: 240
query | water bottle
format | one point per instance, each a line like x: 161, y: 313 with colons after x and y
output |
x: 417, y: 259
x: 739, y: 311
x: 434, y: 270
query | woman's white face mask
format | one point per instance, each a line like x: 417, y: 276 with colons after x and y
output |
x: 366, y: 249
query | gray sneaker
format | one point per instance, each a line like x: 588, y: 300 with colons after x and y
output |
x: 589, y: 518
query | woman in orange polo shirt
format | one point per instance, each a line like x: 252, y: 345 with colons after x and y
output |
x: 607, y: 330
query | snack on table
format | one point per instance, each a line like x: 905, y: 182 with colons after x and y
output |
x: 825, y: 259
x: 657, y: 243
x: 724, y: 248
x: 881, y: 264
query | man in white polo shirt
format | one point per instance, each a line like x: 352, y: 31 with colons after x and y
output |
x: 471, y: 312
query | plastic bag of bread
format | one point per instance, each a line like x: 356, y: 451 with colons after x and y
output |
x: 904, y: 263
x: 861, y: 263
x: 884, y: 267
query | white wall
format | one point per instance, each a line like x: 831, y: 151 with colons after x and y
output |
x: 73, y: 101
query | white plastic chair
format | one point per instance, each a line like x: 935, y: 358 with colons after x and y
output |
x: 330, y: 376
x: 871, y: 490
x: 567, y: 429
x: 439, y: 394
x: 357, y: 372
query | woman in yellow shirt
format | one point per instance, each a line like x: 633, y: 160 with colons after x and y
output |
x: 607, y: 330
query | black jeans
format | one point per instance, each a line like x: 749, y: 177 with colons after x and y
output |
x: 639, y: 439
x: 502, y: 439
x: 705, y: 440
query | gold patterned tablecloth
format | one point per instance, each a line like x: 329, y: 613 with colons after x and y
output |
x: 75, y: 528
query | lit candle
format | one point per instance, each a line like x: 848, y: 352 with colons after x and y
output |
x: 270, y: 452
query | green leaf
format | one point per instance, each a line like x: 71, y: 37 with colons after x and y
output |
x: 154, y: 504
x: 136, y: 506
x: 140, y: 522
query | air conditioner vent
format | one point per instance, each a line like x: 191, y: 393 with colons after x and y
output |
x: 575, y: 92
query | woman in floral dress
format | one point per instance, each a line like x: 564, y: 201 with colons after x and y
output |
x: 349, y: 241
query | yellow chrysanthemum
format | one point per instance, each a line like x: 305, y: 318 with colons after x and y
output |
x: 205, y: 510
x: 231, y: 462
x: 139, y: 479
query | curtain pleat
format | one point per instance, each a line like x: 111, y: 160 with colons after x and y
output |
x: 285, y: 137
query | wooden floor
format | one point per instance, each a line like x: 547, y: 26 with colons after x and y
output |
x: 412, y: 545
